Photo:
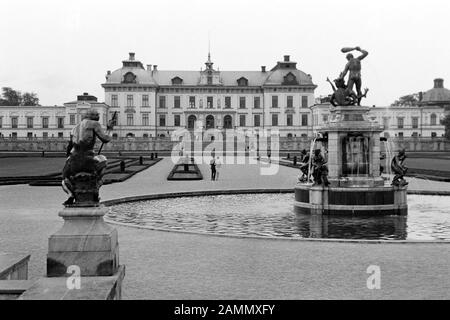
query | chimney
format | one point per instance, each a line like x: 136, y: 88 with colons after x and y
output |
x: 155, y: 67
x: 286, y: 58
x: 108, y: 73
x: 85, y: 94
x: 131, y: 56
x: 149, y: 67
x: 263, y: 68
x: 438, y: 83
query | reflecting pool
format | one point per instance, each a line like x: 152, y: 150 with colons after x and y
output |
x: 272, y: 215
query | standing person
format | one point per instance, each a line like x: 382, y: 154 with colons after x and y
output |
x: 212, y: 164
x: 218, y: 166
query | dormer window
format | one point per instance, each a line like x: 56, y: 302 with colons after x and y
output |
x: 242, y: 82
x: 129, y: 77
x: 290, y: 78
x: 177, y: 81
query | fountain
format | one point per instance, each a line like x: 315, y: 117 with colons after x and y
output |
x: 352, y: 140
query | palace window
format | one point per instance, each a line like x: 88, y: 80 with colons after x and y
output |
x: 242, y: 82
x: 289, y: 121
x: 386, y: 122
x: 162, y: 102
x: 60, y: 122
x: 130, y: 119
x: 145, y: 119
x: 304, y: 120
x: 289, y: 101
x: 114, y: 101
x: 400, y: 122
x: 145, y: 100
x: 256, y: 102
x: 72, y: 119
x: 433, y: 119
x: 177, y: 81
x: 1, y: 122
x: 45, y: 122
x: 45, y: 135
x: 192, y: 102
x: 304, y: 101
x: 14, y: 122
x: 242, y: 120
x: 129, y: 78
x: 227, y: 102
x: 30, y: 122
x: 274, y: 119
x: 176, y: 102
x: 415, y: 122
x: 130, y: 102
x: 209, y: 102
x: 162, y: 120
x: 177, y: 120
x: 274, y: 101
x: 242, y: 102
x: 256, y: 120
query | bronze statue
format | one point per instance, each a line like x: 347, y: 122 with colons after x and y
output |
x: 304, y: 166
x: 342, y: 96
x: 353, y: 67
x: 83, y: 172
x: 399, y: 169
x: 320, y: 170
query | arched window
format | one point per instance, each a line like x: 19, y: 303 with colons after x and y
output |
x: 209, y: 122
x: 433, y: 119
x: 129, y: 77
x: 289, y: 135
x: 114, y: 136
x: 130, y: 135
x: 191, y: 121
x: 145, y: 136
x: 227, y: 122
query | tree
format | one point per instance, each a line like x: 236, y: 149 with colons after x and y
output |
x: 30, y: 99
x: 11, y: 97
x: 446, y: 122
x: 408, y: 100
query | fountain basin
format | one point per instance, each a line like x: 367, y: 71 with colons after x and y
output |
x: 381, y: 200
x: 270, y: 215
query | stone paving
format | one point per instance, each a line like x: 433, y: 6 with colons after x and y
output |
x: 170, y: 265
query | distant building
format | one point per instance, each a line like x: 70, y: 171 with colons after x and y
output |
x: 152, y: 102
x: 47, y: 121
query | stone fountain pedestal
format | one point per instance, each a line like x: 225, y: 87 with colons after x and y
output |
x: 87, y: 244
x: 85, y: 240
x: 356, y: 186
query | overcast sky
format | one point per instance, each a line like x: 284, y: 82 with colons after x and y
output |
x: 59, y: 49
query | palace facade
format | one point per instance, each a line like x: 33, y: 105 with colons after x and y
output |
x: 153, y: 103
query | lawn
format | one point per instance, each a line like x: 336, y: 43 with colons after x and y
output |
x: 30, y: 166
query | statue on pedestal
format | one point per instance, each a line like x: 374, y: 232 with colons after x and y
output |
x: 320, y: 170
x: 304, y: 166
x: 83, y: 172
x: 399, y: 169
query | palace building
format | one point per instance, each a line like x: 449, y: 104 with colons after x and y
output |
x: 150, y: 103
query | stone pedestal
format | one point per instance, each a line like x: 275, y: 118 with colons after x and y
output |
x: 86, y: 241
